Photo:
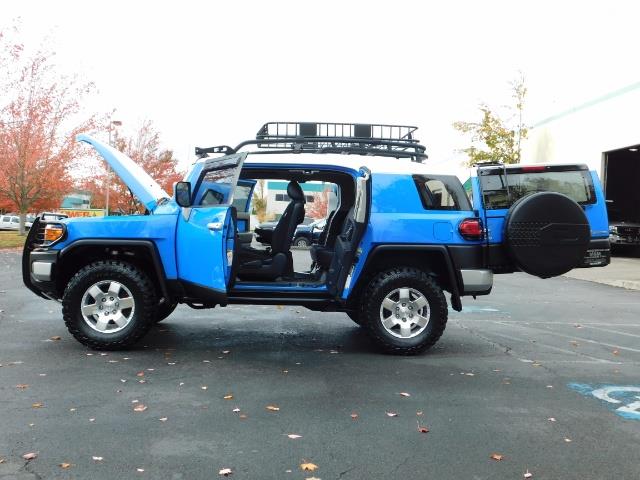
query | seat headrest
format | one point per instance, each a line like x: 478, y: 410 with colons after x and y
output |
x: 294, y: 190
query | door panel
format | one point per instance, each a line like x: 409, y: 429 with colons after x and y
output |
x: 202, y: 247
x: 206, y: 234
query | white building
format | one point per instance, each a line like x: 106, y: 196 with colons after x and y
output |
x: 604, y: 133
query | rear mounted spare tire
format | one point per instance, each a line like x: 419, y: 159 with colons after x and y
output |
x: 547, y: 234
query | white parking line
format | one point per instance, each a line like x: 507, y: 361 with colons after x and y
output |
x: 551, y: 347
x: 587, y: 340
x: 609, y: 330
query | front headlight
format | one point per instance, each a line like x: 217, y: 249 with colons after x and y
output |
x: 52, y: 233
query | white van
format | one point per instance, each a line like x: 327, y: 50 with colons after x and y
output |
x: 12, y: 222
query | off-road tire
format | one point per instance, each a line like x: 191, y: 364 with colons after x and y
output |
x: 164, y: 310
x: 355, y: 316
x: 135, y: 280
x: 301, y: 242
x: 403, y: 277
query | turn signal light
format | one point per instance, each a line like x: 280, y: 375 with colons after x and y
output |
x: 53, y: 233
x: 471, y: 229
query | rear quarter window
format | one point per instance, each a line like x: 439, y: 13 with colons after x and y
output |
x: 441, y: 192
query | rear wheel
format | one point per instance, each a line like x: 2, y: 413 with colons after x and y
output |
x: 109, y: 305
x: 355, y: 316
x: 404, y: 310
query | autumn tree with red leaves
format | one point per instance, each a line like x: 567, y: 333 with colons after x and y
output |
x: 319, y: 207
x: 143, y: 148
x: 37, y: 142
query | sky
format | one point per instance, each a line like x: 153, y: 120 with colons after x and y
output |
x: 210, y: 73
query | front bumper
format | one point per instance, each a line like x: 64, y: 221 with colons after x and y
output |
x: 39, y: 266
x: 621, y: 239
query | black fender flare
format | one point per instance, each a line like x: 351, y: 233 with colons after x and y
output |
x: 152, y: 249
x: 454, y: 277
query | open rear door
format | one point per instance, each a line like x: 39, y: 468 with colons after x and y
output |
x: 206, y: 238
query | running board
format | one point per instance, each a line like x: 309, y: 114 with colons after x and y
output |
x: 312, y: 302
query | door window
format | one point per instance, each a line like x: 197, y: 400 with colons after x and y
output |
x: 217, y: 183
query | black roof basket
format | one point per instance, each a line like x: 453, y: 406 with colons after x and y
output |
x: 345, y: 138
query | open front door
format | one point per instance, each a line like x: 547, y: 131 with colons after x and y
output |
x: 206, y: 239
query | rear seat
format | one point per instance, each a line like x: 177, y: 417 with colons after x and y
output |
x: 323, y: 254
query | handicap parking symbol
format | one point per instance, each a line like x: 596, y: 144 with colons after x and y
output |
x: 624, y: 400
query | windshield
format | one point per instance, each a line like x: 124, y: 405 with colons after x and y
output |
x: 500, y: 193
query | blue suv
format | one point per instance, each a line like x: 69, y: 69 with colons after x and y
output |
x: 398, y: 238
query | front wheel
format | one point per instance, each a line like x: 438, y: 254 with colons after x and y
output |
x: 164, y: 310
x: 109, y: 305
x: 404, y: 310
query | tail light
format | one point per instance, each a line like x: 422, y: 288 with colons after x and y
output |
x: 471, y: 229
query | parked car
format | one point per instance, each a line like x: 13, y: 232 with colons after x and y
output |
x: 623, y: 234
x: 12, y: 222
x: 399, y: 238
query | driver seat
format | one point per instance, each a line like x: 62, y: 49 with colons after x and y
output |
x: 278, y: 261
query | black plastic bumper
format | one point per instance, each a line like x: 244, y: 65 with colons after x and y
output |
x: 598, y: 254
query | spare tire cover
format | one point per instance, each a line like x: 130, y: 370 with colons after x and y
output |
x: 546, y: 234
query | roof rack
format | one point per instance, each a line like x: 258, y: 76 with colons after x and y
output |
x: 345, y: 138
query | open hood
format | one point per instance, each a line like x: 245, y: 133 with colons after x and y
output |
x: 145, y: 188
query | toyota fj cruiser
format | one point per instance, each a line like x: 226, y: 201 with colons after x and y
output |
x: 398, y: 238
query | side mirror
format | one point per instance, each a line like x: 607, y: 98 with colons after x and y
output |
x: 183, y: 194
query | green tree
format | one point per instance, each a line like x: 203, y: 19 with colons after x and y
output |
x: 494, y: 138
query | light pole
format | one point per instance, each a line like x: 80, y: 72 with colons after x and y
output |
x: 112, y: 123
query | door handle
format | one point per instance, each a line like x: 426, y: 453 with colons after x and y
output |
x: 214, y: 226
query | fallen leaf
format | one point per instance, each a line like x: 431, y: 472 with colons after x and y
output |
x: 225, y: 471
x: 273, y: 408
x: 92, y: 420
x: 37, y: 405
x: 140, y: 374
x: 242, y: 416
x: 496, y: 456
x: 228, y: 397
x: 66, y: 465
x: 422, y: 429
x: 528, y: 474
x: 419, y: 413
x: 616, y: 352
x: 404, y: 394
x: 574, y: 343
x: 293, y: 436
x: 354, y: 416
x: 30, y: 456
x: 97, y: 459
x: 2, y: 460
x: 392, y: 414
x: 568, y: 440
x: 22, y: 386
x: 551, y: 419
x: 308, y: 467
x: 56, y: 338
x: 139, y: 470
x: 163, y: 419
x: 140, y: 408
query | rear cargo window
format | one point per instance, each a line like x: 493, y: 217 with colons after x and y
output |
x: 441, y: 192
x: 500, y: 193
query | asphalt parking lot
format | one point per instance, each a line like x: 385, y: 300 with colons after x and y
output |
x: 545, y: 374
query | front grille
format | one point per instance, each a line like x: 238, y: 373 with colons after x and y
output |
x: 38, y: 238
x: 631, y: 231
